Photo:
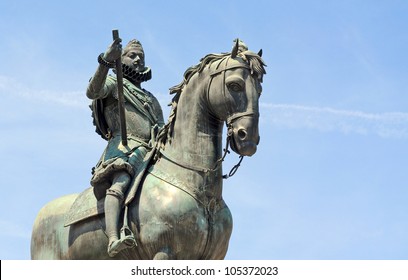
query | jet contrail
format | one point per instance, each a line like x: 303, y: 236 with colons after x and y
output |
x: 387, y: 125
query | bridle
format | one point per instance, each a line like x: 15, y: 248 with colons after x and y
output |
x: 232, y: 117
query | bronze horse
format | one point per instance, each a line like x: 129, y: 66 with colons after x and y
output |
x: 178, y: 211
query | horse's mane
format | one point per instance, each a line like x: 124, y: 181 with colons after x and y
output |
x: 256, y: 65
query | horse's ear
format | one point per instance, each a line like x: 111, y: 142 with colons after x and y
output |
x: 260, y: 53
x: 234, y: 51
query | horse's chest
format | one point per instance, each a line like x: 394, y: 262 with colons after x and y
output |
x: 172, y: 219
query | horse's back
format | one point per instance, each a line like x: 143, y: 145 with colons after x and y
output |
x: 49, y: 236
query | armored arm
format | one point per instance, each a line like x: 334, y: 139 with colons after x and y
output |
x: 97, y: 87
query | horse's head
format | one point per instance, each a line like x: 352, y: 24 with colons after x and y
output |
x: 233, y: 94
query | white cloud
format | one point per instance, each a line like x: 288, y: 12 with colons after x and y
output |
x: 9, y: 86
x: 386, y: 125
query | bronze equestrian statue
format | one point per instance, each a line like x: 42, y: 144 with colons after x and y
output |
x: 170, y: 182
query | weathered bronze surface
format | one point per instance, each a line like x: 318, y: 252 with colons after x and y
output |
x: 178, y: 211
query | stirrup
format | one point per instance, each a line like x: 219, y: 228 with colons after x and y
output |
x: 118, y: 245
x: 127, y: 237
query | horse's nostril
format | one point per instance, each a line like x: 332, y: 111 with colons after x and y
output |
x: 242, y: 134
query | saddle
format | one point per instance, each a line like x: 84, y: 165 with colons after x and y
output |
x: 86, y: 205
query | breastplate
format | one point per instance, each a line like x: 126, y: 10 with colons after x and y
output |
x: 136, y: 124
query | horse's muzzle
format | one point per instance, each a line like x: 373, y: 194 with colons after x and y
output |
x: 244, y: 136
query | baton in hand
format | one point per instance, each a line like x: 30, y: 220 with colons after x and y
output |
x: 121, y: 98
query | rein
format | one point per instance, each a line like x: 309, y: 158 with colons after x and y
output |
x: 207, y: 170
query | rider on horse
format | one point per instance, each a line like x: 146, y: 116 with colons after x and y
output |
x: 118, y: 165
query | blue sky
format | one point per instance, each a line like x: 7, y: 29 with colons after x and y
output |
x: 329, y: 180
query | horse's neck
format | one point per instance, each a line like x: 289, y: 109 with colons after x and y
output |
x: 196, y: 141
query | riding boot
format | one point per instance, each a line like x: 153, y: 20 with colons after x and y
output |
x: 113, y: 206
x: 112, y: 211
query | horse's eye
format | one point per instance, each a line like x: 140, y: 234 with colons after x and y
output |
x: 234, y: 86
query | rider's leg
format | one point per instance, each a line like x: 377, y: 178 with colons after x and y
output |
x: 113, y: 205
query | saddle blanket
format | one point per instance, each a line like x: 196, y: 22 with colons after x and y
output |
x: 85, y: 206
